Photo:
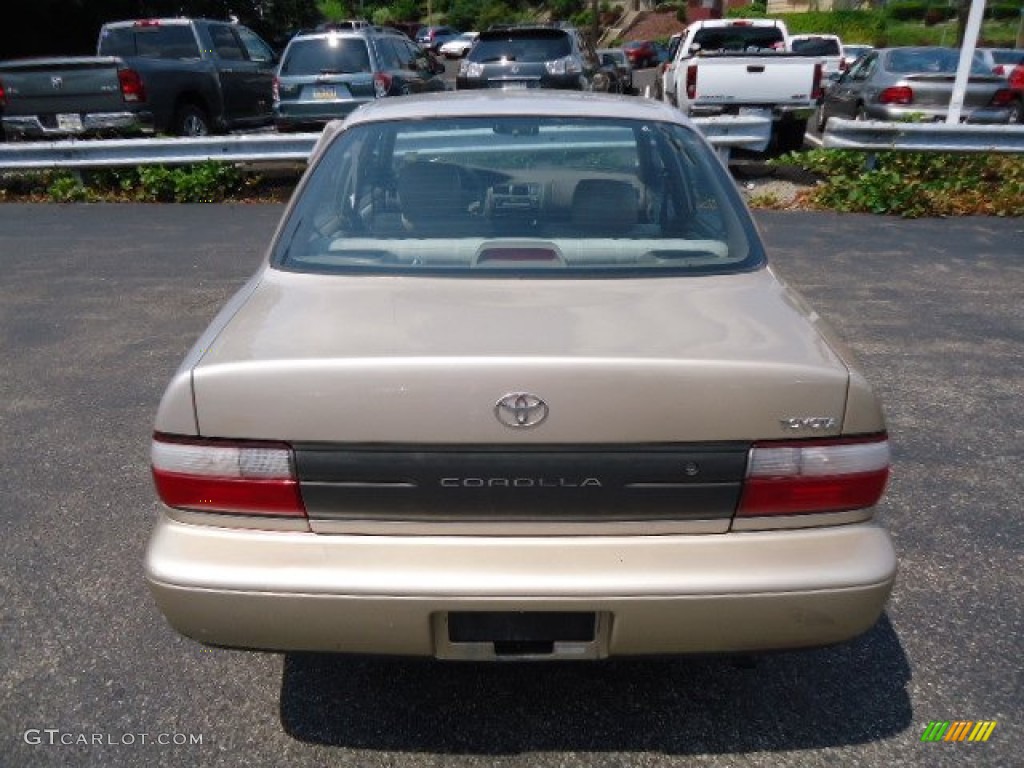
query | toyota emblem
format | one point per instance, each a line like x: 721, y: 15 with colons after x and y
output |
x: 520, y: 410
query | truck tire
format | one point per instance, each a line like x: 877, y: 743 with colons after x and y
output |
x: 191, y: 120
x: 789, y: 136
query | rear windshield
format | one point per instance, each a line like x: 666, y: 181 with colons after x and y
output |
x: 328, y: 55
x: 739, y: 38
x: 523, y: 195
x: 533, y: 46
x: 173, y: 41
x: 817, y: 46
x: 931, y: 61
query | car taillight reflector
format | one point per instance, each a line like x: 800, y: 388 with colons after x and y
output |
x: 381, y: 84
x: 132, y: 88
x: 217, y: 476
x: 817, y: 92
x: 897, y: 95
x: 1003, y: 97
x: 809, y: 477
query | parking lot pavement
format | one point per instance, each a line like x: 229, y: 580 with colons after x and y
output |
x: 98, y: 304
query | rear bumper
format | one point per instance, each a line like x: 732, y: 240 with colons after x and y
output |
x: 390, y: 594
x: 46, y: 127
x: 975, y: 115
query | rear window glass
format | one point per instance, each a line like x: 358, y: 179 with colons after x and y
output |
x: 816, y: 46
x: 524, y: 47
x: 524, y: 195
x: 174, y: 41
x: 738, y: 38
x: 931, y: 61
x: 338, y: 55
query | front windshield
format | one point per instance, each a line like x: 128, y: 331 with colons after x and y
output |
x: 578, y: 196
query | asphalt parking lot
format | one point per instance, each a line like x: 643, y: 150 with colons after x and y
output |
x: 98, y: 303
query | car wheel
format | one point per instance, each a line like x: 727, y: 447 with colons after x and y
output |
x: 1016, y: 113
x: 191, y: 120
x: 790, y: 135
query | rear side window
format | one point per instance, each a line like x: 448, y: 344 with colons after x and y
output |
x: 529, y: 196
x: 529, y: 47
x: 337, y: 55
x: 175, y: 41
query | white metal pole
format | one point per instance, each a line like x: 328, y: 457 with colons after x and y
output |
x: 963, y: 70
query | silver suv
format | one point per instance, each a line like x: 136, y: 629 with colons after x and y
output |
x: 326, y: 75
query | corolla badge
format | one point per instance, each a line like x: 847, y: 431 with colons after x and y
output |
x: 812, y: 423
x: 520, y: 410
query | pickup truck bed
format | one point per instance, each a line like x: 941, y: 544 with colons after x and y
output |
x: 72, y: 96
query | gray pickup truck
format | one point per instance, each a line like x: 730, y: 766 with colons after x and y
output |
x: 187, y: 77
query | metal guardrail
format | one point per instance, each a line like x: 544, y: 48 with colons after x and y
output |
x: 881, y: 136
x: 78, y: 154
x: 724, y: 133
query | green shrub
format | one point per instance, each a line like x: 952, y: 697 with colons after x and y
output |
x: 914, y: 184
x: 907, y: 10
x: 67, y: 187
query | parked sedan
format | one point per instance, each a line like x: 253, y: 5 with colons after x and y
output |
x: 515, y: 382
x: 641, y: 53
x: 916, y: 84
x: 1008, y: 63
x: 459, y: 46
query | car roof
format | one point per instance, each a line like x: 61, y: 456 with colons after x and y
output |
x: 551, y: 103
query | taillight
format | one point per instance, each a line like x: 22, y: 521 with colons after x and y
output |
x: 843, y: 64
x: 132, y: 88
x: 275, y: 89
x: 806, y: 477
x: 817, y: 92
x: 1004, y: 97
x: 381, y: 84
x: 147, y: 23
x: 1017, y: 78
x: 3, y: 96
x: 901, y: 94
x: 999, y: 69
x: 251, y: 478
x: 691, y: 82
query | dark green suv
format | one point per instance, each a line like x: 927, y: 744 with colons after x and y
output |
x: 325, y: 75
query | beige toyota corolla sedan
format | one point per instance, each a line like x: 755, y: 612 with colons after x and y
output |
x: 515, y: 381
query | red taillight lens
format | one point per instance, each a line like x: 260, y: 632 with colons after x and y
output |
x: 132, y: 88
x: 381, y: 84
x: 219, y: 476
x: 3, y: 96
x: 691, y: 83
x: 1003, y: 97
x: 817, y: 92
x: 897, y: 95
x: 799, y: 478
x: 1017, y: 78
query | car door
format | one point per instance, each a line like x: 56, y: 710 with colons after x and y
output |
x: 264, y: 66
x: 849, y: 90
x: 245, y: 83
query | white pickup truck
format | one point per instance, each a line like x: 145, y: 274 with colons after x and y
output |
x: 744, y: 66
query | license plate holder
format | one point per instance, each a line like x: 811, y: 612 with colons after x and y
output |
x: 525, y: 635
x: 325, y: 93
x: 69, y: 122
